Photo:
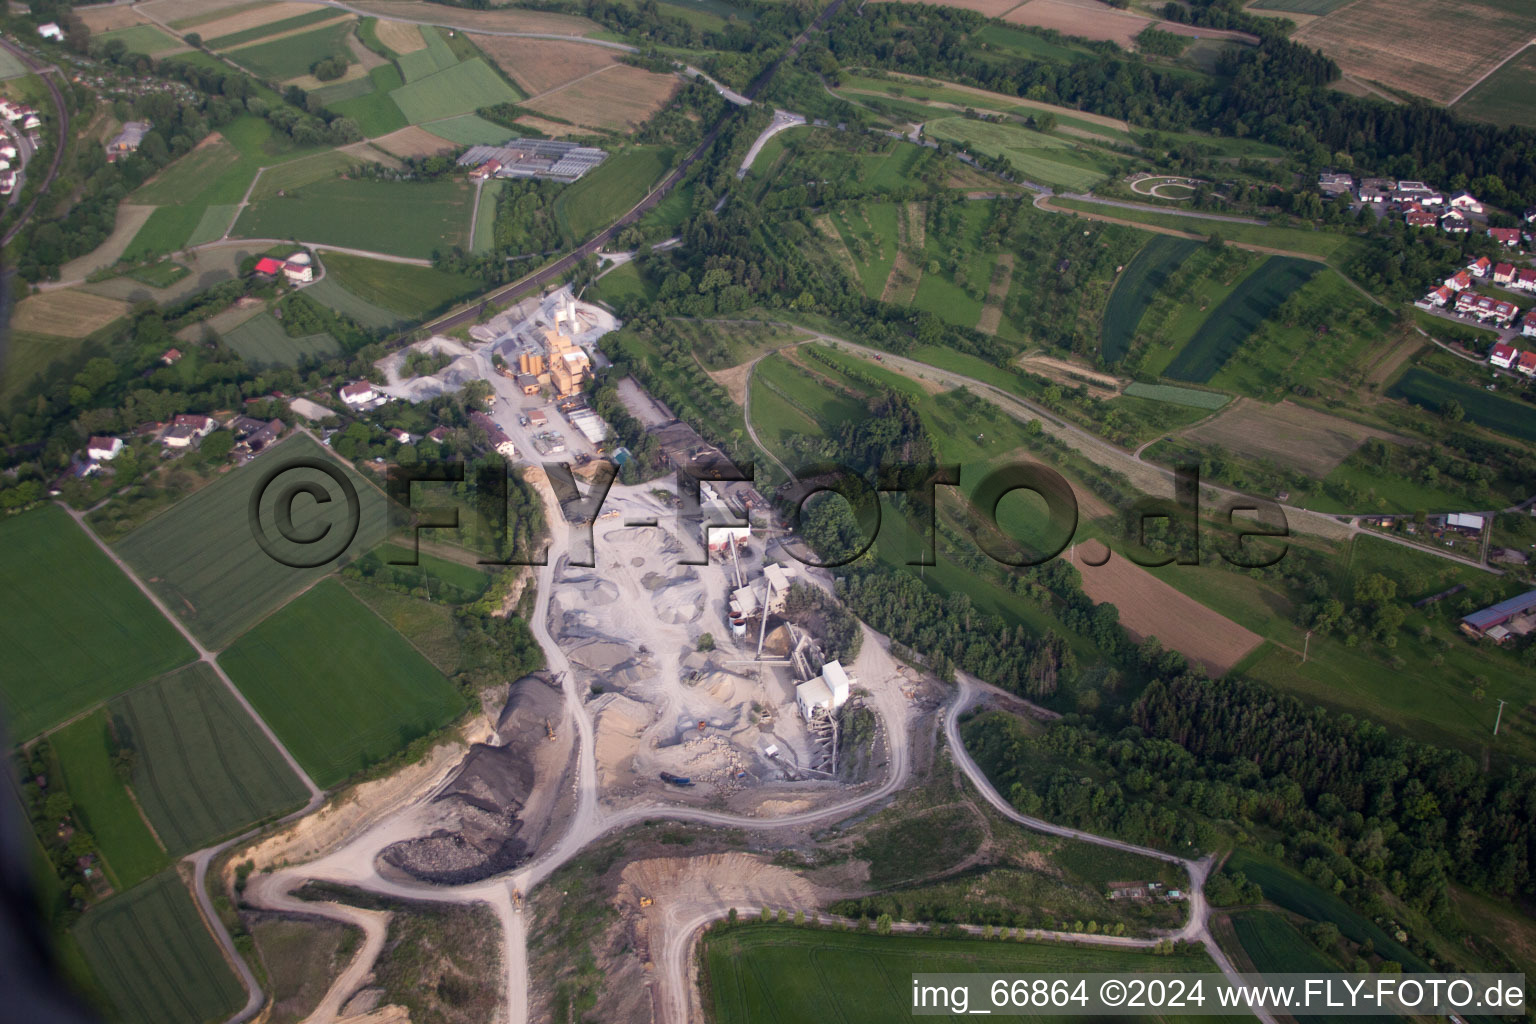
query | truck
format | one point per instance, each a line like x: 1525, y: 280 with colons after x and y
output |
x: 676, y: 780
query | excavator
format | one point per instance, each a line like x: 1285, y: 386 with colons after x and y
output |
x: 646, y: 901
x: 549, y: 730
x: 517, y: 900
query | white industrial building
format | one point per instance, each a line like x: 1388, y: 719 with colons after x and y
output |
x: 827, y: 692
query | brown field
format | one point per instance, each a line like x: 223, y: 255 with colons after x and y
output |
x: 66, y: 313
x: 309, y: 82
x: 400, y: 36
x: 266, y: 14
x: 542, y: 65
x: 997, y: 291
x: 1373, y: 40
x: 107, y: 19
x: 502, y: 19
x: 1071, y: 375
x: 989, y: 8
x: 554, y: 129
x: 234, y: 54
x: 618, y: 99
x: 197, y: 11
x: 413, y: 142
x: 1087, y: 20
x: 1286, y: 434
x: 1150, y: 607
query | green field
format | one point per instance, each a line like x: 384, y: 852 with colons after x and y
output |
x: 261, y: 341
x: 1133, y: 293
x: 339, y: 687
x: 1035, y: 155
x: 412, y: 292
x: 870, y: 233
x: 208, y: 567
x: 1190, y: 397
x: 623, y: 284
x: 83, y: 750
x: 151, y: 951
x: 604, y: 194
x: 775, y: 973
x: 1250, y: 303
x: 213, y: 224
x: 1432, y: 391
x: 292, y: 56
x: 484, y: 234
x: 460, y: 89
x: 375, y: 113
x: 298, y: 173
x: 145, y: 39
x: 470, y: 581
x: 1321, y: 244
x: 1503, y: 98
x: 436, y: 56
x: 329, y: 293
x: 167, y: 230
x: 74, y: 628
x: 12, y: 66
x: 402, y: 218
x: 1275, y: 946
x: 204, y: 770
x: 271, y: 28
x: 469, y: 130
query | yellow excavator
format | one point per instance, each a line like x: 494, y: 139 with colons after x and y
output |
x: 517, y: 900
x: 549, y: 730
x: 646, y: 901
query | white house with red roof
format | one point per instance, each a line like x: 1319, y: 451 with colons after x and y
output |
x: 1421, y: 218
x: 437, y: 435
x: 1459, y: 280
x: 1485, y: 307
x: 1440, y: 296
x: 1524, y: 278
x: 1503, y: 273
x: 1527, y: 363
x: 299, y: 268
x: 1505, y: 236
x: 1528, y: 325
x: 1466, y: 201
x: 1480, y: 266
x: 1503, y: 356
x: 402, y: 436
x: 359, y: 393
x: 202, y: 426
x: 103, y: 449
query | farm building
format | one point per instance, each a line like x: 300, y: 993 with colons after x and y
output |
x: 299, y: 268
x: 1465, y: 521
x: 1481, y: 622
x: 827, y: 692
x: 103, y: 449
x: 1335, y: 184
x: 1502, y: 355
x: 128, y: 140
x: 532, y: 158
x: 268, y: 267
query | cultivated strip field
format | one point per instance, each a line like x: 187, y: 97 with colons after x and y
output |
x: 83, y: 753
x: 1371, y: 40
x: 203, y: 769
x: 499, y: 19
x: 66, y: 314
x: 1504, y: 97
x: 339, y: 686
x: 74, y: 629
x: 1240, y: 313
x: 618, y: 99
x: 203, y: 560
x: 1287, y: 434
x: 988, y: 8
x: 413, y: 142
x: 1137, y: 286
x: 539, y: 65
x: 151, y: 951
x: 1085, y: 19
x: 1150, y: 607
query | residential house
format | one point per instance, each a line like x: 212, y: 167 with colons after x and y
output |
x: 252, y: 435
x: 1503, y: 355
x: 299, y: 268
x: 497, y: 437
x: 1458, y: 281
x: 202, y: 426
x: 1525, y: 278
x: 1335, y: 184
x: 1439, y: 296
x: 1528, y: 325
x: 103, y: 449
x: 1376, y: 190
x: 485, y: 170
x: 170, y: 356
x: 128, y: 140
x: 1420, y: 218
x: 1480, y: 266
x: 437, y: 435
x: 1527, y: 363
x: 180, y: 435
x: 1530, y: 215
x: 51, y: 30
x: 1455, y: 223
x: 1466, y: 202
x: 269, y: 267
x: 1485, y: 308
x: 1503, y: 273
x: 402, y: 436
x: 1505, y: 236
x: 359, y: 393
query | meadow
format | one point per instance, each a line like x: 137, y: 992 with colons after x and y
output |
x: 1432, y: 391
x: 329, y: 293
x: 1275, y: 946
x: 460, y: 89
x: 604, y: 194
x: 1134, y: 291
x: 435, y: 56
x: 1175, y: 395
x: 262, y: 341
x: 203, y: 769
x: 374, y: 111
x: 151, y: 951
x: 623, y: 284
x: 764, y: 972
x: 201, y: 556
x: 83, y: 753
x: 1035, y: 155
x: 146, y: 39
x: 1503, y: 97
x: 1321, y: 244
x: 470, y: 130
x: 870, y: 233
x: 293, y: 56
x: 400, y: 218
x: 74, y: 628
x: 412, y: 292
x: 1238, y: 316
x: 431, y: 571
x: 339, y: 687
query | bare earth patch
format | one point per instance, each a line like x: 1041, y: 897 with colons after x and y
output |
x: 540, y: 65
x: 130, y: 218
x: 1287, y: 434
x: 734, y: 381
x: 66, y: 313
x: 618, y: 99
x: 1087, y: 19
x: 1071, y: 375
x: 553, y: 129
x: 997, y: 291
x: 1150, y: 607
x: 400, y: 36
x: 108, y: 19
x: 1373, y: 40
x: 413, y: 142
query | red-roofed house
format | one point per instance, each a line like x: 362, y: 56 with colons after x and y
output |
x: 402, y: 436
x: 1420, y: 218
x: 202, y: 426
x: 360, y: 393
x: 1459, y: 280
x: 1527, y: 363
x: 1503, y: 273
x: 1480, y: 266
x: 1485, y: 307
x: 1503, y: 355
x: 1525, y: 278
x: 298, y: 273
x: 170, y: 356
x: 103, y: 449
x: 1505, y: 236
x: 437, y: 435
x: 269, y: 267
x: 1528, y: 325
x: 1440, y: 296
